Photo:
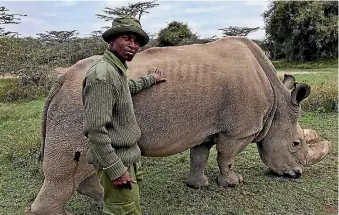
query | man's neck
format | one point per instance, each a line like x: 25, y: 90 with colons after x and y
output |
x: 118, y: 56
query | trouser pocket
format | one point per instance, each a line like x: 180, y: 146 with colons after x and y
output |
x: 120, y: 201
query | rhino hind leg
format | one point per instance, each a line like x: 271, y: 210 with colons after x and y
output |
x: 51, y: 199
x: 92, y: 188
x: 198, y: 158
x: 227, y: 150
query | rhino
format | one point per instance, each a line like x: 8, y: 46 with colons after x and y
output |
x: 224, y: 93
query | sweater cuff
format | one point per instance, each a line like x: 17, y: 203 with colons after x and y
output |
x: 115, y: 170
x: 150, y: 80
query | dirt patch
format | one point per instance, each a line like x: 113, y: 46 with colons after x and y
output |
x: 330, y: 209
x: 6, y: 76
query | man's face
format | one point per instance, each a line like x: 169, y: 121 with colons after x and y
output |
x: 126, y: 46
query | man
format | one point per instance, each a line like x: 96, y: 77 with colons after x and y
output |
x: 109, y: 121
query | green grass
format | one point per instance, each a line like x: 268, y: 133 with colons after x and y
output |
x: 164, y: 190
x: 283, y: 64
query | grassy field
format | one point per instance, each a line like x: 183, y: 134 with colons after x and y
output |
x: 164, y: 190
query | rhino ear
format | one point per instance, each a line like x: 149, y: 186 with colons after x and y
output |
x: 289, y: 81
x: 299, y: 93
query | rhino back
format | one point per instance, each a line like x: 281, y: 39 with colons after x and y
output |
x: 210, y: 88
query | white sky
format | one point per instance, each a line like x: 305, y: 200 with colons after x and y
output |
x: 203, y: 17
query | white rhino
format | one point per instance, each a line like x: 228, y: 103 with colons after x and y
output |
x: 225, y: 92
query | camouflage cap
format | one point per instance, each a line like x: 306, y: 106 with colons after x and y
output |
x: 123, y: 25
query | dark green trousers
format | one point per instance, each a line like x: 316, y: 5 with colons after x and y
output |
x: 122, y: 201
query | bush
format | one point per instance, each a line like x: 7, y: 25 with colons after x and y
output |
x: 28, y: 85
x: 152, y: 43
x: 323, y: 98
x: 302, y: 30
x: 32, y: 62
x: 6, y: 85
x: 27, y: 93
x: 175, y: 34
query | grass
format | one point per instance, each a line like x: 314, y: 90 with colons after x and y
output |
x: 319, y: 64
x: 164, y: 190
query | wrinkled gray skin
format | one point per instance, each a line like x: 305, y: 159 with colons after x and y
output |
x: 225, y: 93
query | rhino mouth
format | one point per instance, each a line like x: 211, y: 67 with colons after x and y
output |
x: 293, y: 173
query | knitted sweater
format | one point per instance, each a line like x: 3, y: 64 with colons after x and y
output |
x: 109, y: 122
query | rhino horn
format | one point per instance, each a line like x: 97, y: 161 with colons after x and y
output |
x: 317, y: 151
x: 310, y: 136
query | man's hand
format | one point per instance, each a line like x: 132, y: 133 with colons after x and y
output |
x: 124, y: 181
x: 157, y: 74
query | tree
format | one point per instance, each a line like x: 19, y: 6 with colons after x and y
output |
x: 302, y: 30
x: 175, y: 34
x: 238, y: 31
x: 96, y: 34
x: 136, y: 10
x: 58, y: 47
x: 58, y: 36
x: 7, y: 18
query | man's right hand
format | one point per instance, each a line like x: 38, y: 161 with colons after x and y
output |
x: 124, y: 181
x: 157, y: 74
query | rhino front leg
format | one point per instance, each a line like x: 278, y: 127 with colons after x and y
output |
x: 198, y: 158
x: 52, y: 198
x: 227, y: 151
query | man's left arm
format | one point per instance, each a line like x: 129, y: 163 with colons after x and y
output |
x: 144, y: 82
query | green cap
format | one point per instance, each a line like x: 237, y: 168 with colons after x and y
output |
x: 124, y: 25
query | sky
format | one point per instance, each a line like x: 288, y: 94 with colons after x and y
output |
x: 203, y: 17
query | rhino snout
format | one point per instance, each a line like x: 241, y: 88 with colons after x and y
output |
x: 290, y: 173
x: 293, y: 173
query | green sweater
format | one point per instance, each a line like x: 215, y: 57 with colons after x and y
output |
x: 109, y: 122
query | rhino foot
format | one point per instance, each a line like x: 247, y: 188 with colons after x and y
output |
x: 29, y: 212
x: 197, y: 181
x: 230, y: 180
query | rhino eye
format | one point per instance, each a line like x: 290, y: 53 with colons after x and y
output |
x: 295, y: 143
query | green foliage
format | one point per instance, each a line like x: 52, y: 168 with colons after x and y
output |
x: 133, y: 9
x: 34, y: 60
x: 238, y: 31
x: 58, y: 36
x: 152, y: 43
x: 261, y: 44
x: 6, y: 85
x: 176, y: 33
x: 28, y: 93
x: 302, y: 30
x: 194, y: 40
x: 11, y: 90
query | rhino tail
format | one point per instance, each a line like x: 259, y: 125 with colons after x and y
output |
x: 53, y: 91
